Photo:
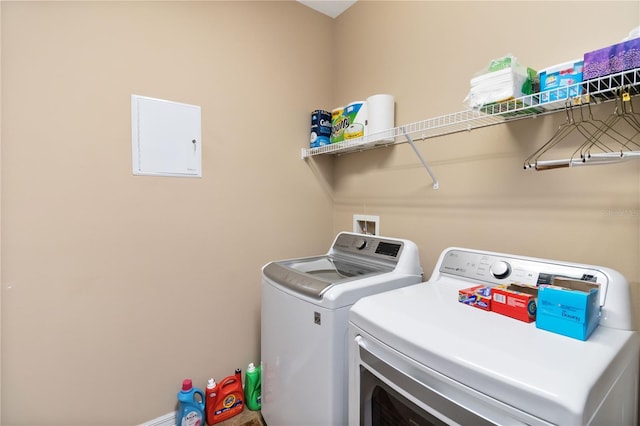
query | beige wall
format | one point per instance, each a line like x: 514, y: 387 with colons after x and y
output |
x: 0, y: 219
x: 116, y: 287
x: 425, y: 54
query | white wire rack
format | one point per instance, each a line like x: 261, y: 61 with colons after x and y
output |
x: 600, y: 89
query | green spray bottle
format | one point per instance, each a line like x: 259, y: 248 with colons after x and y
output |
x: 252, y: 387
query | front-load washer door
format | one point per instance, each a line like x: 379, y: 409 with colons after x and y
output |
x: 313, y: 276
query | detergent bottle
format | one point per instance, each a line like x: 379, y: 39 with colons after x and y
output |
x: 226, y: 399
x: 191, y: 405
x: 252, y: 387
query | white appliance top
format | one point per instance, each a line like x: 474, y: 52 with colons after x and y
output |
x: 352, y: 261
x: 548, y: 375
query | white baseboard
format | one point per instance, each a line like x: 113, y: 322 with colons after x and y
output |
x: 168, y: 419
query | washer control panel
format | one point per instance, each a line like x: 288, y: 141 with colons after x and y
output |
x: 368, y: 246
x: 494, y: 268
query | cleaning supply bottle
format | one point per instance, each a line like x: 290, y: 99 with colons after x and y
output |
x: 252, y: 387
x: 226, y: 399
x: 191, y: 405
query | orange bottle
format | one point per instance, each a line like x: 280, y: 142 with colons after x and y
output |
x: 225, y: 399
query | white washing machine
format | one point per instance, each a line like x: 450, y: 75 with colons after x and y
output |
x: 420, y: 357
x: 305, y: 306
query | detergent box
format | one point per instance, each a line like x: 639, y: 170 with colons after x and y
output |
x: 478, y: 296
x: 517, y: 301
x: 569, y: 307
x: 561, y: 81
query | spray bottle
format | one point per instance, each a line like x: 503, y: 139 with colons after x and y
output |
x: 252, y: 387
x: 191, y: 405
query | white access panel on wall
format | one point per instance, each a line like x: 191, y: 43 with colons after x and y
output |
x: 165, y: 138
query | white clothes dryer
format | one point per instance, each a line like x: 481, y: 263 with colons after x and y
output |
x: 420, y: 357
x: 305, y: 306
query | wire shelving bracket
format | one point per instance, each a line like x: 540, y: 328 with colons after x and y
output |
x: 436, y: 185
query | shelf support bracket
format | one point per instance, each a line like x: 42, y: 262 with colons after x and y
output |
x: 424, y: 163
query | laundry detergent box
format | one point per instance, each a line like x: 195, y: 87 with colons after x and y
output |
x: 561, y: 81
x: 478, y: 296
x: 569, y: 307
x: 517, y: 301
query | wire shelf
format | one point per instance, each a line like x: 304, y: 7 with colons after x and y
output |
x: 601, y: 89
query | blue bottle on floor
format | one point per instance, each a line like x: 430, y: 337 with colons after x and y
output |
x: 191, y: 405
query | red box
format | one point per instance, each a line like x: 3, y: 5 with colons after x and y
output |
x: 516, y: 301
x: 478, y: 296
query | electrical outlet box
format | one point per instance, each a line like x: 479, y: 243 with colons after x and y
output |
x: 366, y: 224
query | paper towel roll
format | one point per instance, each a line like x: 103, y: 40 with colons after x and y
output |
x: 338, y: 124
x: 356, y: 114
x: 356, y: 130
x: 381, y: 116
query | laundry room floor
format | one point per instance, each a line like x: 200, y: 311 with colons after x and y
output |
x: 245, y: 418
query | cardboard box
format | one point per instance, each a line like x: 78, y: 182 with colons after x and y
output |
x: 612, y: 59
x: 517, y: 301
x: 561, y: 81
x: 478, y: 296
x: 569, y: 307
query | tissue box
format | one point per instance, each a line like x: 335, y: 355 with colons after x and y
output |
x: 569, y: 307
x: 612, y: 59
x: 478, y: 296
x: 516, y: 301
x: 554, y: 81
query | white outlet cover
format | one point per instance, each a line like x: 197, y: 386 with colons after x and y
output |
x: 165, y: 138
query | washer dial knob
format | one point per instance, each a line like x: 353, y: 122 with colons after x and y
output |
x: 500, y: 269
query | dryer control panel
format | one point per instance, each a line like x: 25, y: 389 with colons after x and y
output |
x: 494, y: 268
